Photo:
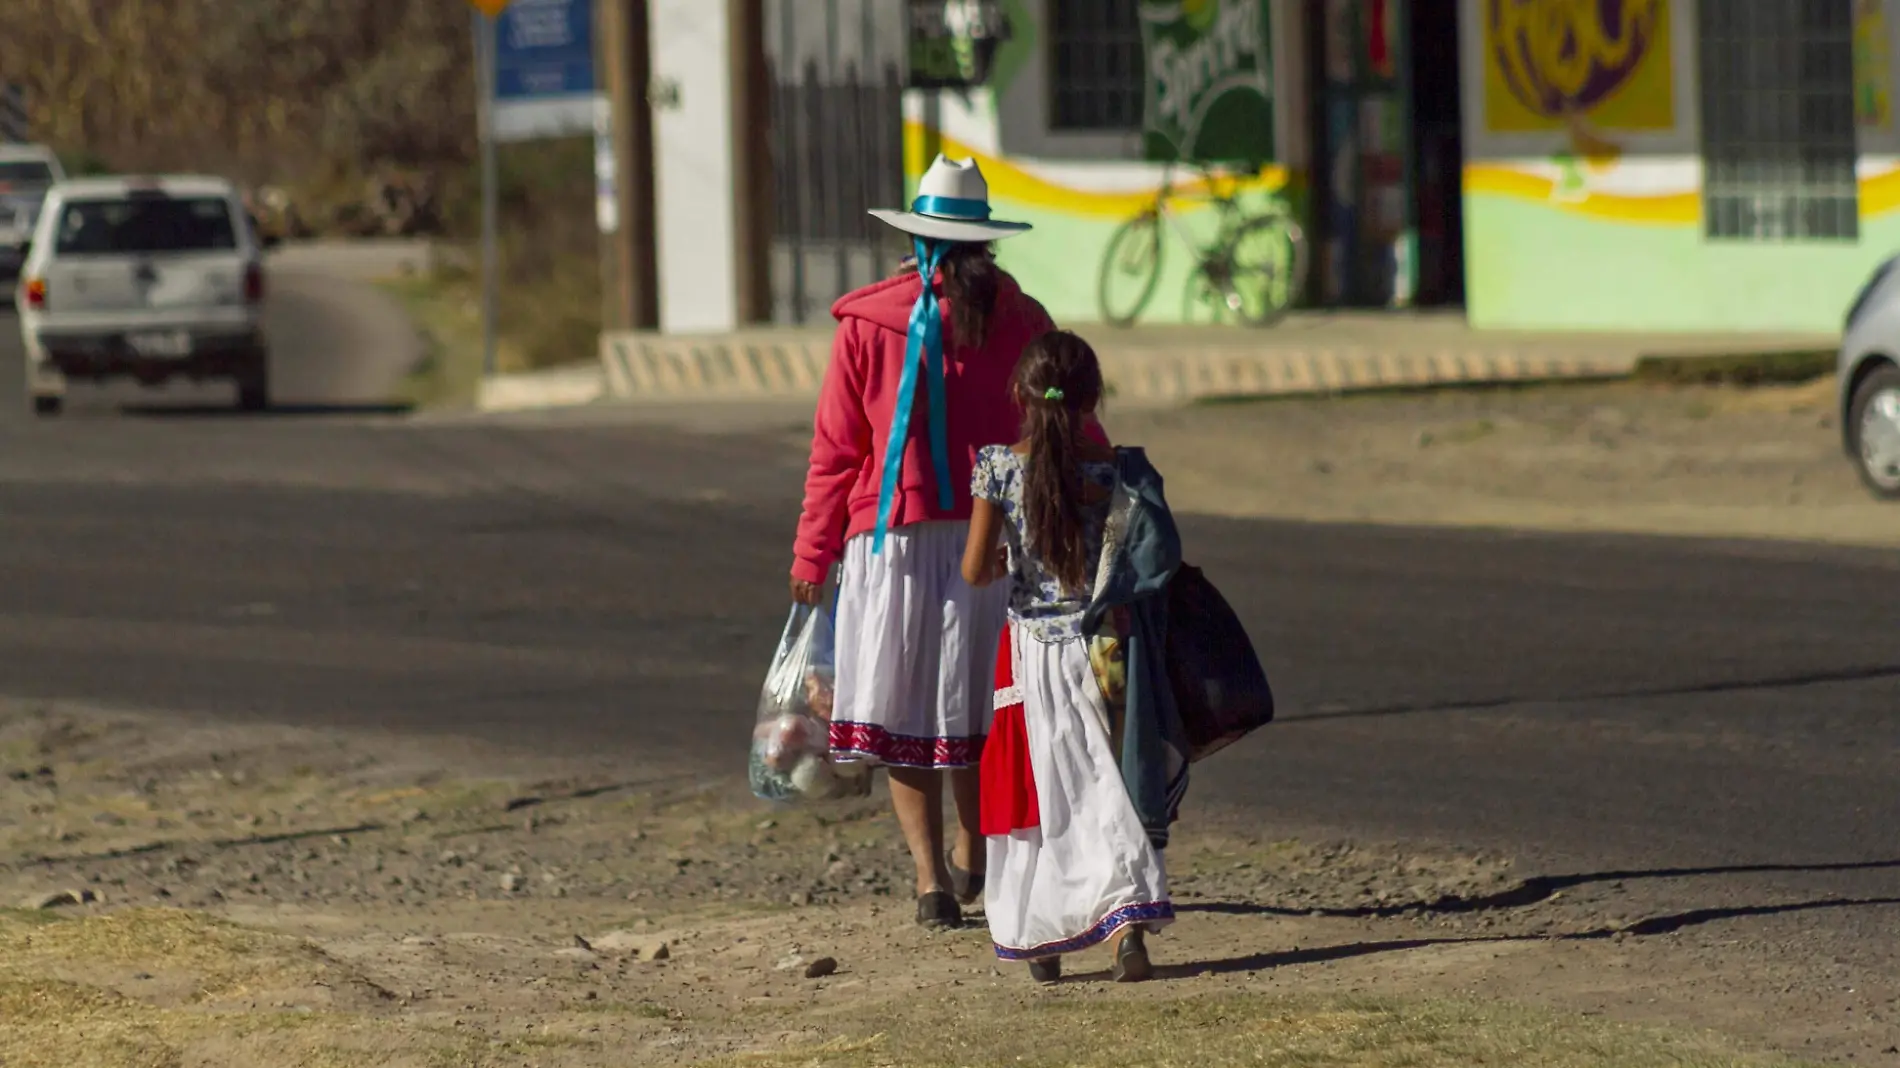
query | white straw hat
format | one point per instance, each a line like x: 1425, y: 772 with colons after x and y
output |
x: 953, y: 204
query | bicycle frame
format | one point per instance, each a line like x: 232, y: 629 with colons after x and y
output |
x: 1226, y: 204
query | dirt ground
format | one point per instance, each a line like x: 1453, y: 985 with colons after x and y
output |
x: 200, y: 894
x: 197, y: 894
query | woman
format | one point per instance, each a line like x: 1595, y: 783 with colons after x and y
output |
x: 919, y: 381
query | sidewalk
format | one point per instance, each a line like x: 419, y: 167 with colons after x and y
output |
x: 1317, y: 352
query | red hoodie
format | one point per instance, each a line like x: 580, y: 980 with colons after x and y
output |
x: 856, y: 404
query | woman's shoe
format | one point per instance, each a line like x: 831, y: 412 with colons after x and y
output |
x: 967, y: 885
x: 1131, y: 958
x: 1046, y: 970
x: 936, y: 908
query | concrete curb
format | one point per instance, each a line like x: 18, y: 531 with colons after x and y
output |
x: 788, y: 363
x: 560, y: 387
x: 784, y: 363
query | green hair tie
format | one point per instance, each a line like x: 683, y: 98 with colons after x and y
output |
x: 1052, y: 393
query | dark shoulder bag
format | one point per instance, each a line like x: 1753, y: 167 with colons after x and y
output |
x: 1218, y: 682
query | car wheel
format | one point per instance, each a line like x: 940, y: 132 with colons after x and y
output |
x: 254, y: 388
x: 1874, y: 421
x: 48, y: 405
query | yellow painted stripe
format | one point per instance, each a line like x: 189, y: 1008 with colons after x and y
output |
x: 1879, y: 195
x: 1668, y: 209
x: 1018, y: 186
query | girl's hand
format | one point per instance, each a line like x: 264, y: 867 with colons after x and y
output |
x: 807, y: 593
x: 999, y: 568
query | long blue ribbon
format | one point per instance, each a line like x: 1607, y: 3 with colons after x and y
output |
x: 923, y: 347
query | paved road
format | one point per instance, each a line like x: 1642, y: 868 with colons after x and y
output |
x: 335, y: 343
x: 1589, y: 704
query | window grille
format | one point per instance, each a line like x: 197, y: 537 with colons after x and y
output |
x: 1777, y: 89
x: 1095, y: 58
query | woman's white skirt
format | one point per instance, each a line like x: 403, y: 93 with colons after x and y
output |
x: 916, y: 651
x: 1088, y: 870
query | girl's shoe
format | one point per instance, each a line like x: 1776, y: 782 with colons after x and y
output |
x: 1131, y: 958
x: 1046, y: 970
x: 938, y: 909
x: 967, y: 885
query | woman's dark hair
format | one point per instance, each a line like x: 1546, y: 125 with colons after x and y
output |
x: 1059, y: 383
x: 970, y: 281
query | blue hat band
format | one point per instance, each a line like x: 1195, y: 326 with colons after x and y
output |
x: 961, y: 208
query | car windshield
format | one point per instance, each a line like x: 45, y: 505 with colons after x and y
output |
x: 154, y: 224
x: 25, y: 172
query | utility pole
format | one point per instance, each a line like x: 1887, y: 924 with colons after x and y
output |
x: 754, y: 205
x: 491, y: 212
x: 631, y: 287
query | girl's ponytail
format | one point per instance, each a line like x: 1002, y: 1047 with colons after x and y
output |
x: 1058, y: 383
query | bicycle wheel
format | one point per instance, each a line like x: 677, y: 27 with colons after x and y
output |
x: 1264, y: 269
x: 1131, y: 268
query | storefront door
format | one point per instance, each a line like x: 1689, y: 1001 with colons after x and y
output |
x: 1363, y: 179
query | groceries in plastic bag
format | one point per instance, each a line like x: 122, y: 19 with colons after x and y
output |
x: 791, y: 745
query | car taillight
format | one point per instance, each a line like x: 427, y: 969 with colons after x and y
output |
x: 253, y: 284
x: 36, y: 293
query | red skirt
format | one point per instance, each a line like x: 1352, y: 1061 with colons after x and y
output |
x: 1007, y: 777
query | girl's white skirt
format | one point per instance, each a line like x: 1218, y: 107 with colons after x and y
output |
x: 1088, y: 870
x: 916, y: 651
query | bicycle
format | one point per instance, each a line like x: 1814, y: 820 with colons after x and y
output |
x: 1255, y: 266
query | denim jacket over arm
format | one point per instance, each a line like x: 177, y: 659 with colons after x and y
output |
x: 1141, y: 551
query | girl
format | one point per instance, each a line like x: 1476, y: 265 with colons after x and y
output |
x: 1085, y: 764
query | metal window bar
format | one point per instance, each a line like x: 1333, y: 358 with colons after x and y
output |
x: 1096, y: 67
x: 1778, y: 134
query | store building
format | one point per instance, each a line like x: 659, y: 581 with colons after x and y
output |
x: 1543, y: 164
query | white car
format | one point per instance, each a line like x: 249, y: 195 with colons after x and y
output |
x: 151, y: 279
x: 26, y: 173
x: 1870, y: 381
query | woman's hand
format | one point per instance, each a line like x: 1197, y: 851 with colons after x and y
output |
x: 807, y: 593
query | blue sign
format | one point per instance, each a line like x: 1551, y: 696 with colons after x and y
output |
x: 544, y: 48
x: 544, y: 69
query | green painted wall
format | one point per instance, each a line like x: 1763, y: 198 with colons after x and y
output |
x: 1060, y: 263
x: 1534, y: 266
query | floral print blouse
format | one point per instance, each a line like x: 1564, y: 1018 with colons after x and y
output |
x: 1036, y: 597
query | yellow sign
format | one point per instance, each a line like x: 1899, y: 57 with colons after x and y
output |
x: 491, y: 8
x: 1567, y: 64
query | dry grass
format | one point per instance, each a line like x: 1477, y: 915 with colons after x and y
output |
x: 549, y: 300
x: 65, y: 992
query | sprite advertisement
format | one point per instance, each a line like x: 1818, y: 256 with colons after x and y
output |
x: 1209, y: 80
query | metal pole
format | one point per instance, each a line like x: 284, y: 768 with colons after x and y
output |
x: 608, y: 35
x: 491, y: 195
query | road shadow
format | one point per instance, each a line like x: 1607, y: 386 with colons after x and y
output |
x: 275, y: 411
x: 1645, y: 928
x: 1693, y: 689
x: 1526, y: 892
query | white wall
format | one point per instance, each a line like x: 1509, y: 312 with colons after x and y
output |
x: 693, y: 179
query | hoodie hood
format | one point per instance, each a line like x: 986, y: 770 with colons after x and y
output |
x: 888, y: 304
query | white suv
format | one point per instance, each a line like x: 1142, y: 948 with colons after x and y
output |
x: 143, y: 278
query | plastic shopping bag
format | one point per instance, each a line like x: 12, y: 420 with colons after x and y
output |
x: 791, y: 744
